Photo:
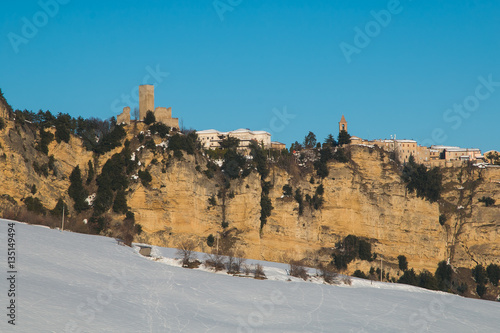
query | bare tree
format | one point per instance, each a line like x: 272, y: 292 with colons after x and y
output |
x: 186, y: 252
x: 259, y: 272
x: 230, y: 263
x: 239, y: 263
x: 247, y: 270
x: 215, y: 260
x: 136, y: 114
x: 298, y: 270
x: 328, y: 273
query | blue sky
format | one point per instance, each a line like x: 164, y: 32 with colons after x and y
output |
x: 281, y: 66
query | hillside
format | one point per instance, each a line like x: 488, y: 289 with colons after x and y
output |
x: 363, y: 196
x: 69, y: 282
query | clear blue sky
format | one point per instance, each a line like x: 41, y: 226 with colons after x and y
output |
x: 240, y: 64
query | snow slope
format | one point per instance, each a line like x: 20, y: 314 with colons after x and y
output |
x: 70, y: 282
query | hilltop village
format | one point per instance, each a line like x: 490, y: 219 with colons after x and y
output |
x: 434, y: 156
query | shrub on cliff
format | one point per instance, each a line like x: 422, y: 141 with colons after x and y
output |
x: 493, y: 272
x: 145, y: 177
x: 35, y: 205
x: 402, y: 262
x: 159, y: 128
x: 426, y: 183
x: 186, y: 143
x: 488, y: 201
x: 110, y: 140
x: 287, y: 190
x: 299, y: 198
x: 2, y: 124
x: 45, y: 139
x: 210, y: 240
x: 41, y: 169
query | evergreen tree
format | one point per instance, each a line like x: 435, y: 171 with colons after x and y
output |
x: 310, y: 140
x: 344, y: 138
x: 63, y: 127
x: 150, y: 118
x: 479, y: 274
x: 403, y: 263
x: 330, y: 141
x: 76, y: 190
x: 443, y: 275
x: 58, y: 209
x: 493, y: 272
x: 90, y: 175
x: 120, y: 204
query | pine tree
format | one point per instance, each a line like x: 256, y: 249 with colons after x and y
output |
x: 76, y: 190
x: 344, y: 138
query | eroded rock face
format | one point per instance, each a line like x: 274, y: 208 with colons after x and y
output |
x: 364, y: 197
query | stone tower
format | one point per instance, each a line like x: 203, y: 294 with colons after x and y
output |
x: 342, y: 124
x: 146, y: 100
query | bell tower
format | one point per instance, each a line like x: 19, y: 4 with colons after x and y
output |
x: 342, y: 124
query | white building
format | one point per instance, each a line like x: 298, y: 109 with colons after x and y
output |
x: 210, y: 139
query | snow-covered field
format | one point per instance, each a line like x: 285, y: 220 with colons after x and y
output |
x: 68, y: 282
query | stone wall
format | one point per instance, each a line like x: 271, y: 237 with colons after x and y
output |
x: 124, y: 117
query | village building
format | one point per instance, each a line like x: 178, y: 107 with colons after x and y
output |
x: 277, y: 145
x: 210, y: 139
x: 452, y: 153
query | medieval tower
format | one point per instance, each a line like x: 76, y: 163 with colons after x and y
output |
x: 146, y: 100
x: 342, y: 124
x: 147, y: 103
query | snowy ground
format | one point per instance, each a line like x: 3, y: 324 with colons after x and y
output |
x: 68, y: 282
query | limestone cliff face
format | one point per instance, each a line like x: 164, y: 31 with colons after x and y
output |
x: 17, y: 172
x: 364, y: 197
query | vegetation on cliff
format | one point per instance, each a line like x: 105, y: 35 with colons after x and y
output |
x: 426, y: 183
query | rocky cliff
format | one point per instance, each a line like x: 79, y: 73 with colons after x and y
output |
x: 364, y: 197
